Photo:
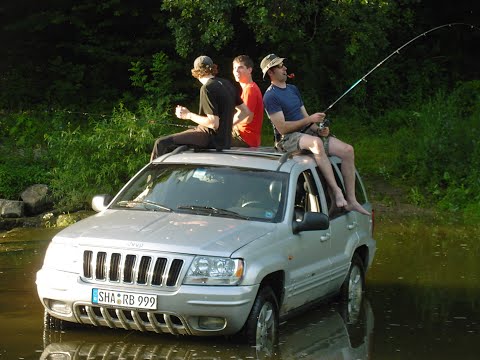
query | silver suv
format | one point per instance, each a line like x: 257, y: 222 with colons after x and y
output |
x: 209, y: 243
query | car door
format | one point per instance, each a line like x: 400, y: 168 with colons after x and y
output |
x: 343, y: 228
x: 310, y: 251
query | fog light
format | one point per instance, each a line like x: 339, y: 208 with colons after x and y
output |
x: 59, y: 307
x: 211, y: 323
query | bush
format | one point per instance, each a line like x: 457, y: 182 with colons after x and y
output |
x: 23, y: 160
x: 19, y: 170
x: 432, y: 147
x: 102, y: 155
x: 102, y: 158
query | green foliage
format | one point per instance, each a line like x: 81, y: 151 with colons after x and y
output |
x: 434, y: 148
x: 265, y: 18
x: 416, y: 196
x: 20, y: 169
x: 23, y: 160
x: 471, y: 213
x: 77, y: 57
x: 156, y: 82
x: 99, y: 159
x: 197, y: 24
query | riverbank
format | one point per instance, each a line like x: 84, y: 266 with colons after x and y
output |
x: 389, y: 201
x: 54, y: 218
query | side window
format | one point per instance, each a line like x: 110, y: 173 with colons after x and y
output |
x: 306, y: 195
x: 359, y: 190
x: 333, y: 210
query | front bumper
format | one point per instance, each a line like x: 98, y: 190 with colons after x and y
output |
x: 191, y: 310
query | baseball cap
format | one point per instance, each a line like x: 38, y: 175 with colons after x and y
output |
x: 269, y: 61
x: 202, y: 61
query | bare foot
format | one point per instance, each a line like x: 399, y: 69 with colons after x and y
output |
x: 355, y: 206
x: 340, y: 200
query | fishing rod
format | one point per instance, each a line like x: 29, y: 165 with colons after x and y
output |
x: 397, y: 51
x: 105, y: 116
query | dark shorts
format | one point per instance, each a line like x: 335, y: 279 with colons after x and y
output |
x: 237, y: 140
x: 199, y: 137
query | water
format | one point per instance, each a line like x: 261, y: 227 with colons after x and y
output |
x: 422, y: 302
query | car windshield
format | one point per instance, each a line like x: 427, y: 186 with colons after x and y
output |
x: 207, y: 190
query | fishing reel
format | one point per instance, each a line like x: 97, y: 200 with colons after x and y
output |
x: 321, y: 126
x: 324, y: 124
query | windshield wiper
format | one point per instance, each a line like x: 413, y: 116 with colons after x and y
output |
x: 157, y: 205
x: 145, y: 203
x: 210, y: 210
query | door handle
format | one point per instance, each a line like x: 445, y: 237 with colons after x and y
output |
x: 325, y: 237
x: 352, y: 225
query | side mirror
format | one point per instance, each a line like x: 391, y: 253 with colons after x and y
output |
x: 311, y: 221
x: 100, y: 202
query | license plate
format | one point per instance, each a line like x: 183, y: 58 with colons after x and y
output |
x: 124, y: 299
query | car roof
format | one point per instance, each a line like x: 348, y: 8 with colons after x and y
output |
x: 266, y: 158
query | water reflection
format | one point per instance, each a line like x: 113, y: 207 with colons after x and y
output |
x: 424, y: 289
x: 325, y: 332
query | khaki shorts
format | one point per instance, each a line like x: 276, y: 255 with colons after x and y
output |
x: 290, y: 142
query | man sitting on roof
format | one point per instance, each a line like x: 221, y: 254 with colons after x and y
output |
x: 285, y: 108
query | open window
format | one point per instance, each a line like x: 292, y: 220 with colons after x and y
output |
x: 333, y: 210
x: 306, y: 196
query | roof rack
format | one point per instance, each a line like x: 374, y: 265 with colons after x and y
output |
x: 262, y: 151
x: 177, y: 150
x: 291, y: 154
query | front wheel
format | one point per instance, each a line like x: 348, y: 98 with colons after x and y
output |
x: 261, y: 328
x: 351, y: 292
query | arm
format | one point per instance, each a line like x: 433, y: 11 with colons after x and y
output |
x: 210, y: 121
x: 286, y: 127
x: 243, y: 115
x: 320, y: 132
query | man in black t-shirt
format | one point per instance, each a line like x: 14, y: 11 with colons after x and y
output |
x: 219, y: 101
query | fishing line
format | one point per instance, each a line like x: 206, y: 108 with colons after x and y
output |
x: 105, y: 116
x: 397, y: 51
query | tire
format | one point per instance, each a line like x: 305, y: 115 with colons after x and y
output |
x: 351, y: 291
x: 261, y: 327
x: 355, y: 319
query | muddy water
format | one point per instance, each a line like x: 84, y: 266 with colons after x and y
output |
x: 422, y: 302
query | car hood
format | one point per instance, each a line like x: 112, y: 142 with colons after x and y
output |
x: 163, y: 231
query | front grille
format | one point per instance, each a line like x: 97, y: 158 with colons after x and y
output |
x: 131, y: 268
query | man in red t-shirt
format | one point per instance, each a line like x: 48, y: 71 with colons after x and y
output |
x: 247, y: 131
x: 219, y: 100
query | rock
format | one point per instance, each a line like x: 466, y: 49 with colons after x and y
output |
x: 37, y: 199
x: 11, y: 208
x: 64, y: 220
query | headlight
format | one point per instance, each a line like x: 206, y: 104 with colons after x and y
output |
x: 61, y: 257
x: 208, y: 270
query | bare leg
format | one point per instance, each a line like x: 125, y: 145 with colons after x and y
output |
x: 315, y: 145
x: 346, y: 153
